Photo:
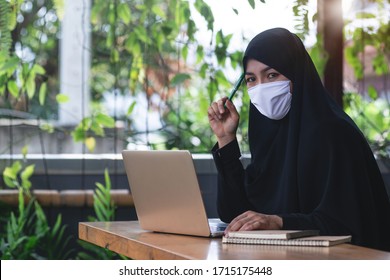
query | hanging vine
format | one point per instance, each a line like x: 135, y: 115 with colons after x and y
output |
x: 301, y: 13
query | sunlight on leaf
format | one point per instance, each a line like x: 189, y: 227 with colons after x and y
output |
x: 49, y: 128
x: 62, y: 98
x: 24, y: 151
x: 90, y: 143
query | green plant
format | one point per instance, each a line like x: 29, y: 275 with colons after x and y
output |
x: 371, y: 112
x: 102, y: 203
x: 90, y: 127
x: 373, y: 118
x: 14, y: 243
x: 7, y: 21
x: 27, y: 233
x: 301, y: 13
x: 104, y: 211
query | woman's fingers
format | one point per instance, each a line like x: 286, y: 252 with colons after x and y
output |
x: 251, y: 220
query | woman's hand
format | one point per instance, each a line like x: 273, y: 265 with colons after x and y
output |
x: 251, y: 220
x: 223, y: 120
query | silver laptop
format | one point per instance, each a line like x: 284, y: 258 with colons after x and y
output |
x: 166, y: 193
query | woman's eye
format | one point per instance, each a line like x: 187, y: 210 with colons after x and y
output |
x: 273, y: 75
x: 250, y: 79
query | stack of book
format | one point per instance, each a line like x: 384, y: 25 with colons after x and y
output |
x: 284, y: 237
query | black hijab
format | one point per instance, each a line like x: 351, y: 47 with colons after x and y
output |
x: 314, y: 167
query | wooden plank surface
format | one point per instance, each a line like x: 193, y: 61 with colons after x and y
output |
x: 128, y: 239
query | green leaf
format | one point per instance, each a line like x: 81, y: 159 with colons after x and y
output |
x: 252, y: 3
x: 156, y: 9
x: 107, y: 180
x: 203, y: 70
x: 49, y: 128
x: 90, y: 143
x: 27, y: 172
x: 9, y: 182
x: 30, y: 86
x: 57, y: 225
x: 212, y: 88
x: 110, y: 38
x: 16, y: 167
x: 364, y: 15
x: 97, y: 128
x: 184, y: 52
x: 13, y: 88
x: 78, y: 134
x: 167, y: 28
x: 199, y: 54
x: 132, y: 44
x: 206, y: 12
x: 380, y: 64
x: 98, y: 10
x: 142, y: 34
x: 111, y: 15
x: 42, y: 93
x: 24, y: 151
x: 352, y: 58
x: 59, y: 7
x: 38, y: 69
x: 62, y: 98
x: 100, y: 187
x: 2, y: 89
x: 9, y: 65
x: 105, y: 120
x: 86, y: 123
x: 372, y: 92
x: 102, y: 198
x: 21, y: 204
x: 97, y: 205
x: 104, y: 208
x: 131, y: 108
x: 124, y: 13
x: 191, y: 29
x: 114, y: 56
x: 179, y: 79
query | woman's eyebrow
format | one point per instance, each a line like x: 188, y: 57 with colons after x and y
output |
x: 266, y: 69
x: 261, y: 71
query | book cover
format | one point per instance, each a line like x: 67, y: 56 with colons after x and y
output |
x: 272, y: 234
x: 317, y: 241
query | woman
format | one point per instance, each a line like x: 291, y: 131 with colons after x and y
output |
x: 311, y: 167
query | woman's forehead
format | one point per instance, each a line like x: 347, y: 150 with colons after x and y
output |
x: 255, y: 66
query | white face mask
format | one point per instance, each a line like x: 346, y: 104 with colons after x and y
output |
x: 272, y: 99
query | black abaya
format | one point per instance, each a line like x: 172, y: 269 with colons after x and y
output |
x: 314, y: 167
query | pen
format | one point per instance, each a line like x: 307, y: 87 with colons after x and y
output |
x: 236, y: 86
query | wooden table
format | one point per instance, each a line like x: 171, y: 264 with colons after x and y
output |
x: 127, y: 238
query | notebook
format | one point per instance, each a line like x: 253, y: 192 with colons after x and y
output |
x: 272, y: 234
x: 166, y: 193
x: 317, y: 241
